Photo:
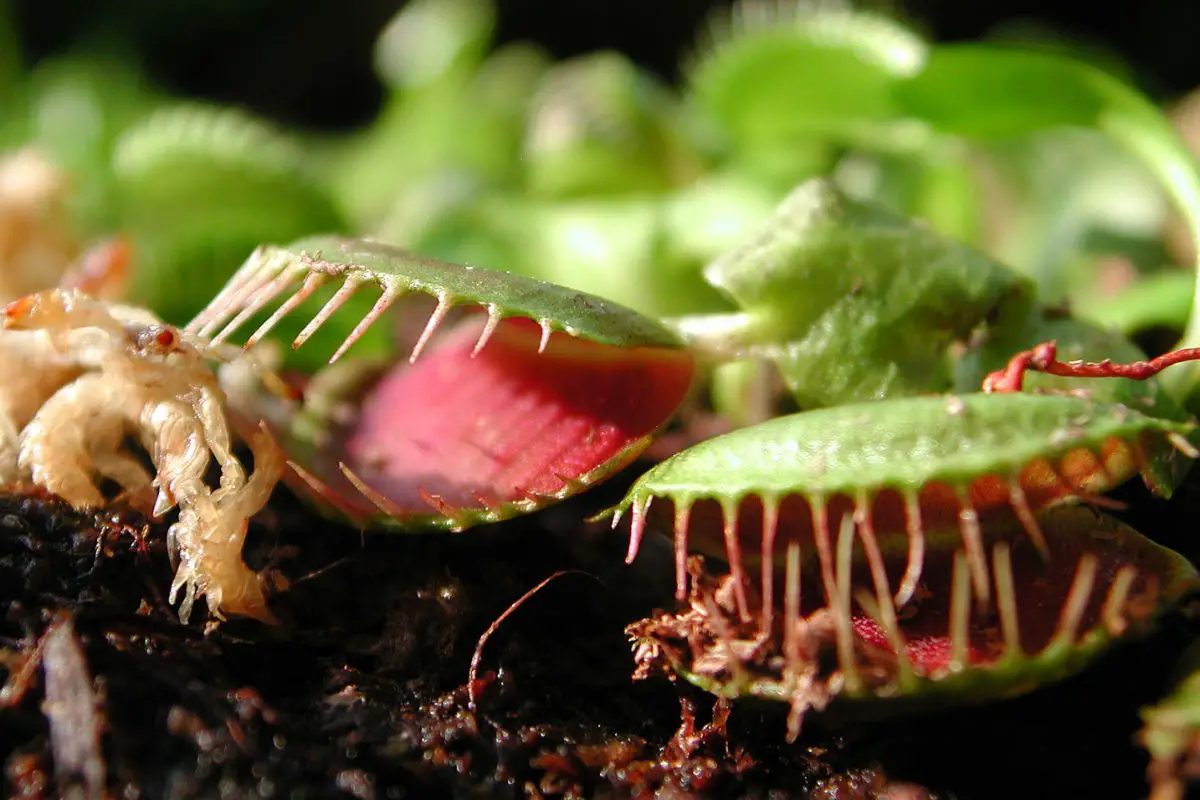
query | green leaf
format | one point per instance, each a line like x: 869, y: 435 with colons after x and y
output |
x: 856, y: 303
x: 601, y: 125
x: 427, y: 39
x: 583, y: 316
x: 1163, y: 299
x: 776, y: 72
x: 467, y: 122
x: 1023, y: 92
x: 1070, y: 187
x: 929, y: 439
x: 624, y: 249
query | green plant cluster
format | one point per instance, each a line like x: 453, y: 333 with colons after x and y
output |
x: 595, y: 174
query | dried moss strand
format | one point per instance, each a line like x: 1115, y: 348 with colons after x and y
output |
x: 726, y: 639
x: 841, y: 606
x: 916, y: 549
x: 1077, y: 599
x: 792, y: 627
x: 960, y: 612
x: 1006, y: 600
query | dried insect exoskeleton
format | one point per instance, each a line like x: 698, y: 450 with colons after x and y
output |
x: 134, y: 375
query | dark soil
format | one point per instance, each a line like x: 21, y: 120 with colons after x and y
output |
x: 361, y: 692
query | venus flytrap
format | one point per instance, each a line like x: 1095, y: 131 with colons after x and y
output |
x: 904, y: 539
x: 888, y: 501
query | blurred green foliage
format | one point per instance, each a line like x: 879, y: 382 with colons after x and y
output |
x: 593, y: 173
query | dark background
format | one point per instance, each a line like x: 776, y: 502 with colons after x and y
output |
x: 308, y: 62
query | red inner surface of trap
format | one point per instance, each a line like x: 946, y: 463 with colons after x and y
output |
x: 1041, y: 589
x: 454, y: 431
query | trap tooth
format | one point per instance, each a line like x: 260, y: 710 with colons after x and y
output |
x: 841, y: 607
x: 493, y: 321
x: 906, y: 675
x: 792, y: 656
x: 1020, y: 504
x: 568, y: 483
x: 916, y: 548
x: 272, y: 289
x: 866, y: 532
x: 312, y: 282
x: 821, y: 537
x: 436, y: 503
x: 972, y: 536
x: 1180, y: 443
x: 955, y: 652
x: 444, y: 303
x: 345, y: 292
x: 384, y: 504
x: 484, y: 500
x: 579, y: 391
x: 683, y: 512
x: 322, y: 490
x: 770, y: 521
x: 733, y: 552
x: 637, y: 527
x: 960, y: 612
x: 202, y: 324
x: 1113, y: 612
x: 391, y: 292
x: 231, y: 308
x: 1077, y: 599
x: 1006, y: 600
x: 617, y: 515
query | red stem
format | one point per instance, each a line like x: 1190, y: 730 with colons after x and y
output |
x: 1044, y: 358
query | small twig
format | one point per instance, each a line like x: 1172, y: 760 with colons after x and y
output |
x: 477, y: 657
x: 1044, y: 358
